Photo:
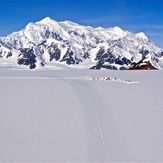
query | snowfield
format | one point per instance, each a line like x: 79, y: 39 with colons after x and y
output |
x: 64, y: 116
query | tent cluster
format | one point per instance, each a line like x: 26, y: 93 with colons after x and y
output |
x: 101, y: 78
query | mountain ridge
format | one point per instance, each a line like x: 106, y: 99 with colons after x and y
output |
x: 47, y: 42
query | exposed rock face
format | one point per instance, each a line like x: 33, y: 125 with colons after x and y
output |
x: 70, y: 58
x: 4, y: 51
x: 143, y: 65
x: 54, y: 52
x: 109, y: 67
x: 27, y: 57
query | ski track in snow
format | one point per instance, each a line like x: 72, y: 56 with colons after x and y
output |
x: 100, y: 130
x: 92, y: 103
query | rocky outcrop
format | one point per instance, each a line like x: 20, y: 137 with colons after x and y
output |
x: 27, y: 57
x: 143, y: 65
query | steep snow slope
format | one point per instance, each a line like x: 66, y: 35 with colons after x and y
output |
x: 49, y: 42
x: 62, y: 116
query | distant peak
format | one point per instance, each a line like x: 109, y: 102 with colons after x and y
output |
x: 99, y: 28
x: 69, y: 22
x: 117, y: 29
x: 47, y: 20
x: 142, y: 35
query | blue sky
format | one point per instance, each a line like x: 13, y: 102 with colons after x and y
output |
x: 133, y: 15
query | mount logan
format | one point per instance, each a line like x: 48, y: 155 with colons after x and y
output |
x: 48, y: 43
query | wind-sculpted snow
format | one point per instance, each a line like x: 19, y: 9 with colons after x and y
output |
x: 70, y: 43
x: 64, y: 116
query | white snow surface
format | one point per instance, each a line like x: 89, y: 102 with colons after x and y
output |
x: 63, y: 116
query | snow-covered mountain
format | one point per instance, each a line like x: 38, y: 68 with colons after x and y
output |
x: 48, y: 42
